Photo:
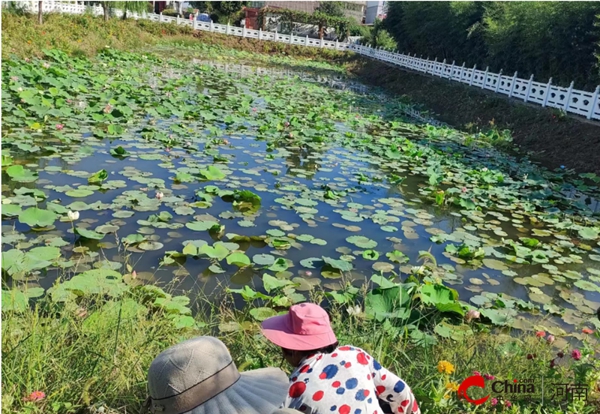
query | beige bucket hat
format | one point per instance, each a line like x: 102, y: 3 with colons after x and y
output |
x: 198, y: 376
x: 286, y: 411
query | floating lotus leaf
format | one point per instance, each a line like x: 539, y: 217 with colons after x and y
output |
x: 212, y: 173
x: 342, y: 265
x: 362, y: 242
x: 263, y: 259
x: 494, y: 264
x: 89, y: 234
x: 21, y: 174
x: 239, y: 259
x: 260, y: 314
x: 37, y: 217
x: 150, y: 245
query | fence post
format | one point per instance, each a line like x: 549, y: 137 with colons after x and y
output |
x: 529, y: 88
x: 259, y: 33
x: 594, y: 101
x: 337, y: 44
x: 178, y: 20
x: 485, y: 77
x: 512, y: 85
x: 227, y: 30
x: 160, y: 17
x: 195, y: 24
x: 547, y: 92
x: 306, y: 41
x: 212, y: 26
x: 472, y: 75
x: 462, y: 70
x: 321, y: 44
x: 569, y: 91
x: 244, y: 31
x: 443, y: 68
x: 498, y: 81
x: 452, y: 70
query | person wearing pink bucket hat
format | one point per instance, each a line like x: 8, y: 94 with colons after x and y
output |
x: 329, y: 378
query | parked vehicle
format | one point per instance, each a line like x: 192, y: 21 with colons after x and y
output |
x: 204, y: 17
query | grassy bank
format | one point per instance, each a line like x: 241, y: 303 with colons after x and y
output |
x: 92, y: 354
x: 553, y: 138
x: 86, y: 35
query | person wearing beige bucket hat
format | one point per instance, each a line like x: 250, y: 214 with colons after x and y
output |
x: 198, y: 376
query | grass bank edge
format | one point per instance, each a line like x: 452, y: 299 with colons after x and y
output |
x: 93, y: 354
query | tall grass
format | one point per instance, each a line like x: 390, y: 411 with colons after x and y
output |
x: 96, y: 354
x: 87, y: 35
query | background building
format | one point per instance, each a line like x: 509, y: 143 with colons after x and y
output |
x: 375, y: 10
x: 352, y: 9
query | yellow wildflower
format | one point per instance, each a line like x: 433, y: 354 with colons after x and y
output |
x: 445, y: 367
x: 452, y: 386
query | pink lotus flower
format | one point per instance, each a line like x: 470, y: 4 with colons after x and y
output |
x: 576, y: 354
x: 540, y: 334
x: 35, y: 396
x: 291, y: 135
x: 46, y: 65
x: 489, y: 377
x: 550, y: 339
x: 108, y: 108
x: 134, y: 274
x: 308, y: 273
x: 472, y: 314
x: 587, y: 331
x: 464, y: 189
x: 14, y: 78
x: 494, y: 401
x: 159, y: 195
x: 507, y: 404
x: 168, y: 149
x: 477, y: 373
x: 254, y: 109
x: 59, y: 126
x: 287, y: 124
x: 188, y: 143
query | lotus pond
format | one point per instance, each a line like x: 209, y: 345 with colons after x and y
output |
x: 139, y: 168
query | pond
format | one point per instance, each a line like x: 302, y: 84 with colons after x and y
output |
x: 204, y: 175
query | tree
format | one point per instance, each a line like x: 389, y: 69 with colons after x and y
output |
x: 40, y: 15
x: 225, y: 10
x: 131, y: 6
x: 331, y: 8
x: 106, y: 9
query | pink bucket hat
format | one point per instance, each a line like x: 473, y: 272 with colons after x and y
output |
x: 304, y: 328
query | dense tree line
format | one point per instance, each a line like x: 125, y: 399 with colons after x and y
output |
x: 547, y: 39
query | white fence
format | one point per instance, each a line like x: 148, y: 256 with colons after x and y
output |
x: 568, y: 99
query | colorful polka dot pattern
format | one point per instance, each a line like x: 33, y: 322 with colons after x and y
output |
x: 347, y: 381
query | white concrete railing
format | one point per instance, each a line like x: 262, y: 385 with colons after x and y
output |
x: 568, y: 99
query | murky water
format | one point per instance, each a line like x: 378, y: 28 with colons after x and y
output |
x: 394, y: 216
